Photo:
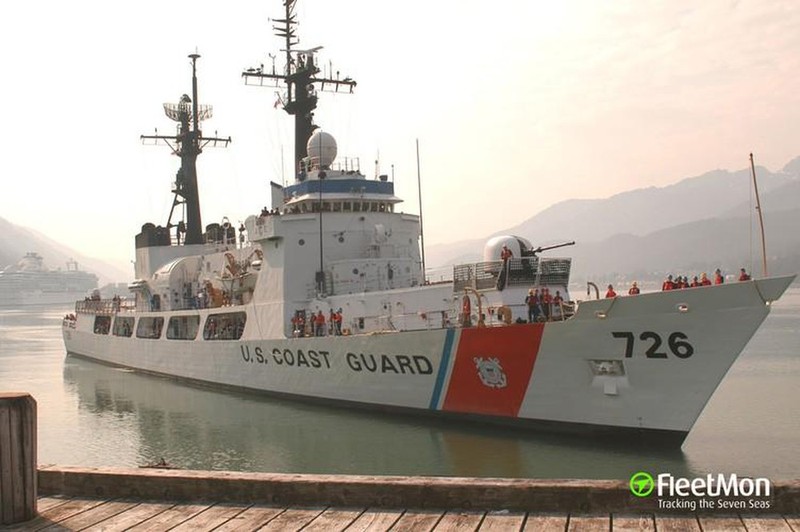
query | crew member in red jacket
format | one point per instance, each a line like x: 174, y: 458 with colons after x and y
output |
x: 319, y: 324
x: 610, y: 292
x: 547, y: 303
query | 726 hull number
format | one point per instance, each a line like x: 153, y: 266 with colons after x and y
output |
x: 677, y: 343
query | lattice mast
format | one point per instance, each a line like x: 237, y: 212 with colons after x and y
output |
x: 187, y: 144
x: 300, y: 74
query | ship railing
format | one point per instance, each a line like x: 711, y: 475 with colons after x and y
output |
x: 525, y: 271
x: 104, y: 306
x: 347, y: 165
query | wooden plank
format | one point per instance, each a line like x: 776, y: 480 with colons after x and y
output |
x: 30, y: 463
x: 17, y: 457
x: 93, y: 516
x: 251, y: 519
x: 16, y: 479
x: 170, y: 518
x: 546, y: 522
x: 766, y: 523
x: 501, y: 520
x: 48, y: 502
x: 293, y: 519
x: 375, y: 520
x: 72, y: 507
x: 720, y: 523
x: 6, y: 509
x: 589, y: 523
x: 134, y: 516
x: 793, y: 521
x: 456, y: 520
x: 632, y: 523
x: 418, y: 520
x: 334, y: 519
x: 212, y: 517
x: 677, y: 523
x: 34, y: 524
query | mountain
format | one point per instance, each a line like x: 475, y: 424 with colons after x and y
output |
x: 699, y: 223
x: 646, y: 210
x: 16, y: 241
x: 692, y: 248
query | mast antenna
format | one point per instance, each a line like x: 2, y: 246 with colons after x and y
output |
x: 187, y: 144
x: 300, y: 76
x: 421, y: 229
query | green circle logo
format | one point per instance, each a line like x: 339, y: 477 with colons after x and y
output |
x: 642, y: 484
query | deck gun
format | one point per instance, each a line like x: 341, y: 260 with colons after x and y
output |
x: 534, y: 252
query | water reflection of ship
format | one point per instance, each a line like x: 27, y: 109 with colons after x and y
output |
x: 199, y: 428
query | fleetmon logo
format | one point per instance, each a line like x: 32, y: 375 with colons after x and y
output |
x: 642, y: 484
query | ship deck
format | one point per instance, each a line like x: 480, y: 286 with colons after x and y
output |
x: 82, y: 513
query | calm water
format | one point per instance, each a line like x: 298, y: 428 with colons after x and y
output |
x: 93, y: 415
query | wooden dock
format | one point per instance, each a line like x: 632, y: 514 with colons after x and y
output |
x: 82, y: 513
x: 72, y: 498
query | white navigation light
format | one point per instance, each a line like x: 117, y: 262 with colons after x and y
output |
x: 321, y: 149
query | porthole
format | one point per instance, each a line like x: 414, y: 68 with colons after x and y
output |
x: 355, y: 271
x: 301, y: 242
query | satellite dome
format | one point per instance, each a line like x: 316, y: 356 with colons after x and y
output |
x: 321, y: 149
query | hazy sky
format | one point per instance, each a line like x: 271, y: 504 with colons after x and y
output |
x: 516, y: 105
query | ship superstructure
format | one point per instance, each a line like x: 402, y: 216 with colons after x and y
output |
x: 322, y: 295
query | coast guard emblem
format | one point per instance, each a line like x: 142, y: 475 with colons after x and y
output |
x: 491, y: 372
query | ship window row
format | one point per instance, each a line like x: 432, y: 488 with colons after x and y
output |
x: 343, y: 206
x: 220, y: 326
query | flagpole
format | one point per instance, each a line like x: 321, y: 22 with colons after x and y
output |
x: 760, y: 219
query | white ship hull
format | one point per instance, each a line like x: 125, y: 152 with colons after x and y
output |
x: 646, y: 364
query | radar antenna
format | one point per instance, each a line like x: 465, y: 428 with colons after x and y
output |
x: 300, y: 77
x: 187, y: 144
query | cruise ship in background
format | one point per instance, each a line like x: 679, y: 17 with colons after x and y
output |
x: 31, y: 282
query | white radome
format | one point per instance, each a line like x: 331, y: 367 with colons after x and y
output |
x: 493, y: 246
x: 321, y: 149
